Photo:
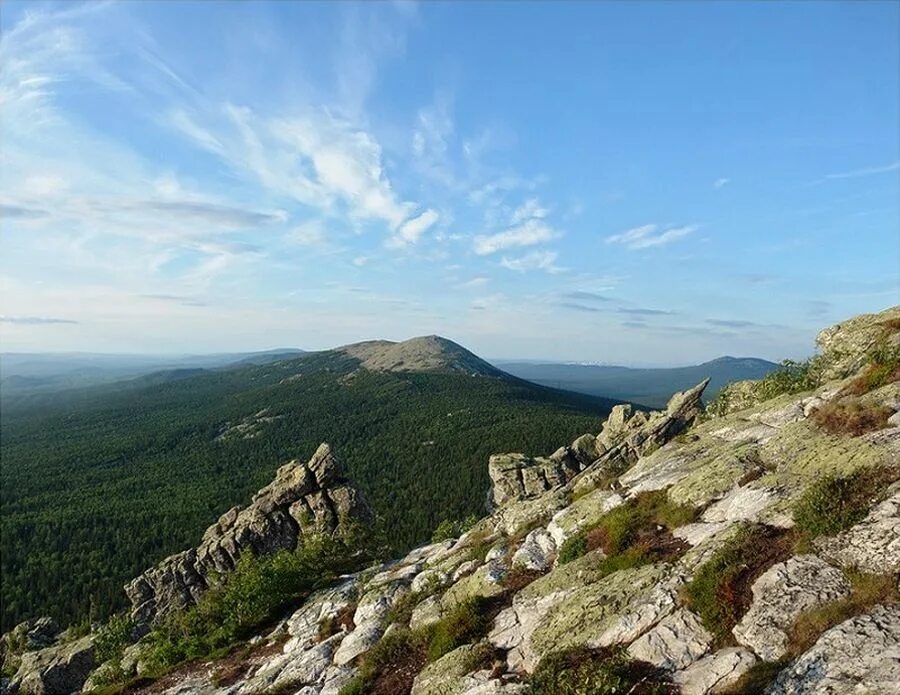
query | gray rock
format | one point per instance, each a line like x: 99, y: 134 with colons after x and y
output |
x: 715, y: 673
x: 873, y: 545
x: 780, y: 595
x: 536, y: 552
x: 861, y: 655
x: 303, y: 499
x: 56, y: 670
x: 676, y: 642
x: 517, y: 477
x: 362, y: 639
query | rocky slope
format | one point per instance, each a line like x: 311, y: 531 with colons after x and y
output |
x: 669, y: 552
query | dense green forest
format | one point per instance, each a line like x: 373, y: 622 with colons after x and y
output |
x: 100, y: 483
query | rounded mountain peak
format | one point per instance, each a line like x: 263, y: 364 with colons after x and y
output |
x: 427, y: 353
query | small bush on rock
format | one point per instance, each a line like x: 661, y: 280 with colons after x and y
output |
x: 833, y: 504
x: 851, y: 416
x: 720, y: 590
x: 452, y: 528
x: 580, y: 671
x: 641, y: 523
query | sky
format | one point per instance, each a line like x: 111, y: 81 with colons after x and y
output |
x: 633, y: 183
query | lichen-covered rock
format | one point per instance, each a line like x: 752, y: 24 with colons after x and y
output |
x: 304, y: 498
x: 516, y: 476
x: 583, y: 512
x: 780, y: 595
x: 676, y: 642
x: 845, y: 346
x: 56, y: 670
x: 536, y: 552
x: 569, y: 607
x: 873, y: 545
x: 303, y: 625
x: 860, y: 655
x: 446, y: 675
x: 297, y: 668
x: 715, y: 673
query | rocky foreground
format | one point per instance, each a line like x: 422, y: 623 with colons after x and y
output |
x: 754, y: 551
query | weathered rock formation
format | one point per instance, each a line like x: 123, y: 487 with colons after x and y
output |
x: 56, y: 670
x: 305, y: 498
x: 625, y: 437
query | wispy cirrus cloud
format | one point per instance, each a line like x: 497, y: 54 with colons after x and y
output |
x: 721, y: 183
x: 536, y: 260
x: 650, y: 235
x: 638, y: 311
x: 585, y: 296
x: 34, y: 320
x: 865, y: 171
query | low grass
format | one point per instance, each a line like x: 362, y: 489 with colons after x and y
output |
x: 584, y: 671
x: 849, y: 415
x: 641, y: 524
x: 867, y: 591
x: 833, y: 504
x: 720, y: 590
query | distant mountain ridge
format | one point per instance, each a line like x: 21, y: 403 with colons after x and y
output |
x: 649, y: 387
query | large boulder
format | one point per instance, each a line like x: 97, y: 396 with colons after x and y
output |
x: 846, y: 346
x: 780, y: 595
x: 860, y: 655
x: 56, y: 670
x: 304, y: 499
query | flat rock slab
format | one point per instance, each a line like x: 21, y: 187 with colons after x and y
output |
x: 873, y: 545
x: 861, y: 655
x: 676, y: 642
x: 715, y: 673
x: 780, y: 595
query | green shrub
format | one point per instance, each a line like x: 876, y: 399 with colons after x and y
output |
x: 583, y: 671
x: 792, y: 377
x: 573, y: 548
x: 113, y: 637
x: 636, y: 522
x: 466, y: 623
x: 720, y: 590
x: 833, y: 504
x: 256, y: 591
x: 453, y: 528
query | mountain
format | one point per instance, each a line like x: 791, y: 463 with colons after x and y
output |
x: 649, y: 387
x: 430, y: 353
x: 747, y: 548
x: 96, y: 481
x: 22, y: 373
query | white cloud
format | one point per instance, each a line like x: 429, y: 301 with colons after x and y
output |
x: 530, y: 209
x: 474, y: 282
x: 410, y: 231
x: 536, y: 260
x: 360, y: 261
x: 531, y: 232
x: 868, y: 171
x: 721, y: 183
x: 310, y: 233
x: 650, y: 235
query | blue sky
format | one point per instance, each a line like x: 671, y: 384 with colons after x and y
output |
x: 637, y: 183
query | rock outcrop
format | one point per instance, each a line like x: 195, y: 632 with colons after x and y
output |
x: 305, y: 498
x: 57, y: 670
x: 626, y: 436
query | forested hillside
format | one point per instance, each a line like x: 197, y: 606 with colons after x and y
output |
x: 103, y: 482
